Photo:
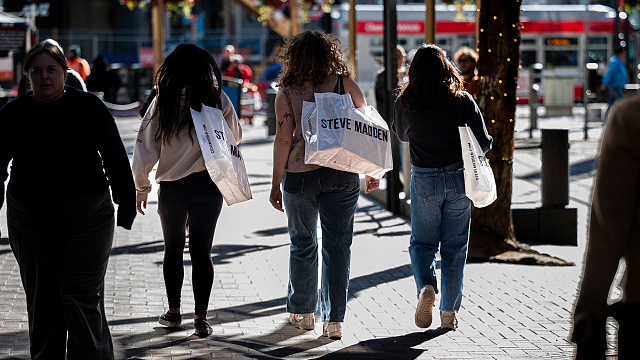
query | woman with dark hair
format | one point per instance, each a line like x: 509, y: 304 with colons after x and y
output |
x: 314, y: 63
x: 62, y: 236
x: 188, y: 79
x: 430, y: 108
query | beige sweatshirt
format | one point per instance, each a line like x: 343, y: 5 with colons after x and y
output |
x: 176, y: 160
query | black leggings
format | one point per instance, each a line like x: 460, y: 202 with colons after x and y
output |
x: 197, y: 198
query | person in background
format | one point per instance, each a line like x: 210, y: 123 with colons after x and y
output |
x: 186, y: 80
x: 613, y: 235
x: 467, y: 60
x: 75, y: 62
x: 616, y: 77
x: 227, y: 52
x: 73, y: 78
x: 103, y: 80
x: 239, y: 70
x: 314, y: 63
x: 61, y: 230
x: 430, y: 108
x: 379, y: 86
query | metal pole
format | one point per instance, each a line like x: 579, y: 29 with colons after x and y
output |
x: 295, y: 17
x: 585, y: 101
x: 391, y: 82
x: 353, y: 27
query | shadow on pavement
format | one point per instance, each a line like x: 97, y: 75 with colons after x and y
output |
x: 580, y: 168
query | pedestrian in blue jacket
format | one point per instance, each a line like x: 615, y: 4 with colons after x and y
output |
x: 616, y: 77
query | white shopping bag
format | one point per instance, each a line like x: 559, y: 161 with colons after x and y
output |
x: 341, y: 137
x: 479, y: 183
x: 221, y: 154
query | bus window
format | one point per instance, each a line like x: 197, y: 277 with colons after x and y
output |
x: 528, y: 41
x: 561, y: 58
x: 376, y: 42
x: 527, y: 57
x: 597, y: 56
x: 598, y: 40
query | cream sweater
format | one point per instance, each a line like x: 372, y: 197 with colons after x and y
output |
x: 178, y: 159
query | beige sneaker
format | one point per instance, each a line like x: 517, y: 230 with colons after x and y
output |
x: 303, y: 321
x: 426, y: 302
x: 448, y: 320
x: 333, y: 330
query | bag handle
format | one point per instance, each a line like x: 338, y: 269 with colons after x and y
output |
x: 339, y: 88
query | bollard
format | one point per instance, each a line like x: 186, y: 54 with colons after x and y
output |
x: 271, y: 110
x: 555, y: 168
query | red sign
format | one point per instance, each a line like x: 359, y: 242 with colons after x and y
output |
x: 404, y: 27
x: 146, y: 57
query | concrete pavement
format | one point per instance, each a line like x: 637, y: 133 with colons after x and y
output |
x: 508, y: 311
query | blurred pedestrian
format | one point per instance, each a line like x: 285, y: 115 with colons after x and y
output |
x: 103, y: 80
x: 239, y: 70
x: 73, y: 78
x: 430, y: 108
x: 616, y: 77
x: 187, y: 79
x: 380, y: 78
x: 613, y: 235
x: 227, y: 52
x: 61, y: 229
x: 313, y: 63
x: 467, y: 60
x: 75, y: 62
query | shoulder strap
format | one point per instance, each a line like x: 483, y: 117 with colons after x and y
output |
x: 339, y: 88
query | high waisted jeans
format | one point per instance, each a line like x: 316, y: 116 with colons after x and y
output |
x: 62, y: 247
x: 334, y: 195
x: 440, y: 219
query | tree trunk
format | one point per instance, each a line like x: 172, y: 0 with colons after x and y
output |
x: 498, y: 44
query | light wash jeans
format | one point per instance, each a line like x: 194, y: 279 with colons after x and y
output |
x: 440, y: 220
x: 334, y: 195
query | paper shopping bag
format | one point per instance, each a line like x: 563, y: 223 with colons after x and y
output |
x: 341, y: 137
x: 221, y: 154
x: 479, y: 183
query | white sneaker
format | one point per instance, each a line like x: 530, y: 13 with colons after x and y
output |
x: 448, y: 320
x: 333, y: 330
x: 426, y: 302
x: 303, y: 321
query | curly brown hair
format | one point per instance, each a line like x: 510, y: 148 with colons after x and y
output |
x: 311, y: 56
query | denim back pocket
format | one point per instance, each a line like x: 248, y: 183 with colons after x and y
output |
x: 293, y: 183
x: 345, y: 181
x: 457, y: 178
x: 425, y: 186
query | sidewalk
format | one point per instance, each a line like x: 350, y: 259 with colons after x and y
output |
x: 508, y: 311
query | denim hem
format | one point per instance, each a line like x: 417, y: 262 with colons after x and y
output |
x: 329, y: 321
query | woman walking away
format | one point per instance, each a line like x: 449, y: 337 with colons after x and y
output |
x: 314, y: 63
x: 430, y: 108
x: 61, y: 227
x: 188, y: 78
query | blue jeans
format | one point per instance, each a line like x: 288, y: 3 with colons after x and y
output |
x: 440, y: 220
x: 334, y: 195
x: 614, y: 95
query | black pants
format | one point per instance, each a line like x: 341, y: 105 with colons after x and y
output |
x: 62, y: 248
x: 197, y: 198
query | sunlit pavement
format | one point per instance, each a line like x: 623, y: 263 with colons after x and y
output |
x: 508, y: 311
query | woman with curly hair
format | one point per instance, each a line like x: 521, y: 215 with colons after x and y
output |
x: 313, y: 62
x: 430, y: 108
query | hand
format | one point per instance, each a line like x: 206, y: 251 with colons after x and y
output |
x: 275, y: 198
x: 141, y: 205
x: 372, y: 183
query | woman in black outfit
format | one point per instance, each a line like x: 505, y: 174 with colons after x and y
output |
x: 430, y: 108
x: 59, y: 209
x: 188, y: 78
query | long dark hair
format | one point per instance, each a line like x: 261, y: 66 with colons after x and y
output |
x: 193, y: 69
x: 312, y: 56
x: 433, y: 81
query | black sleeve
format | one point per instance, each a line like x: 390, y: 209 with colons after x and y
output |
x: 398, y: 124
x: 116, y: 165
x: 379, y: 90
x: 473, y: 118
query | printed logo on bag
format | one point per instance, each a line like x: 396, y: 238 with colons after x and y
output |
x: 235, y: 151
x: 206, y: 133
x: 475, y: 165
x: 359, y: 127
